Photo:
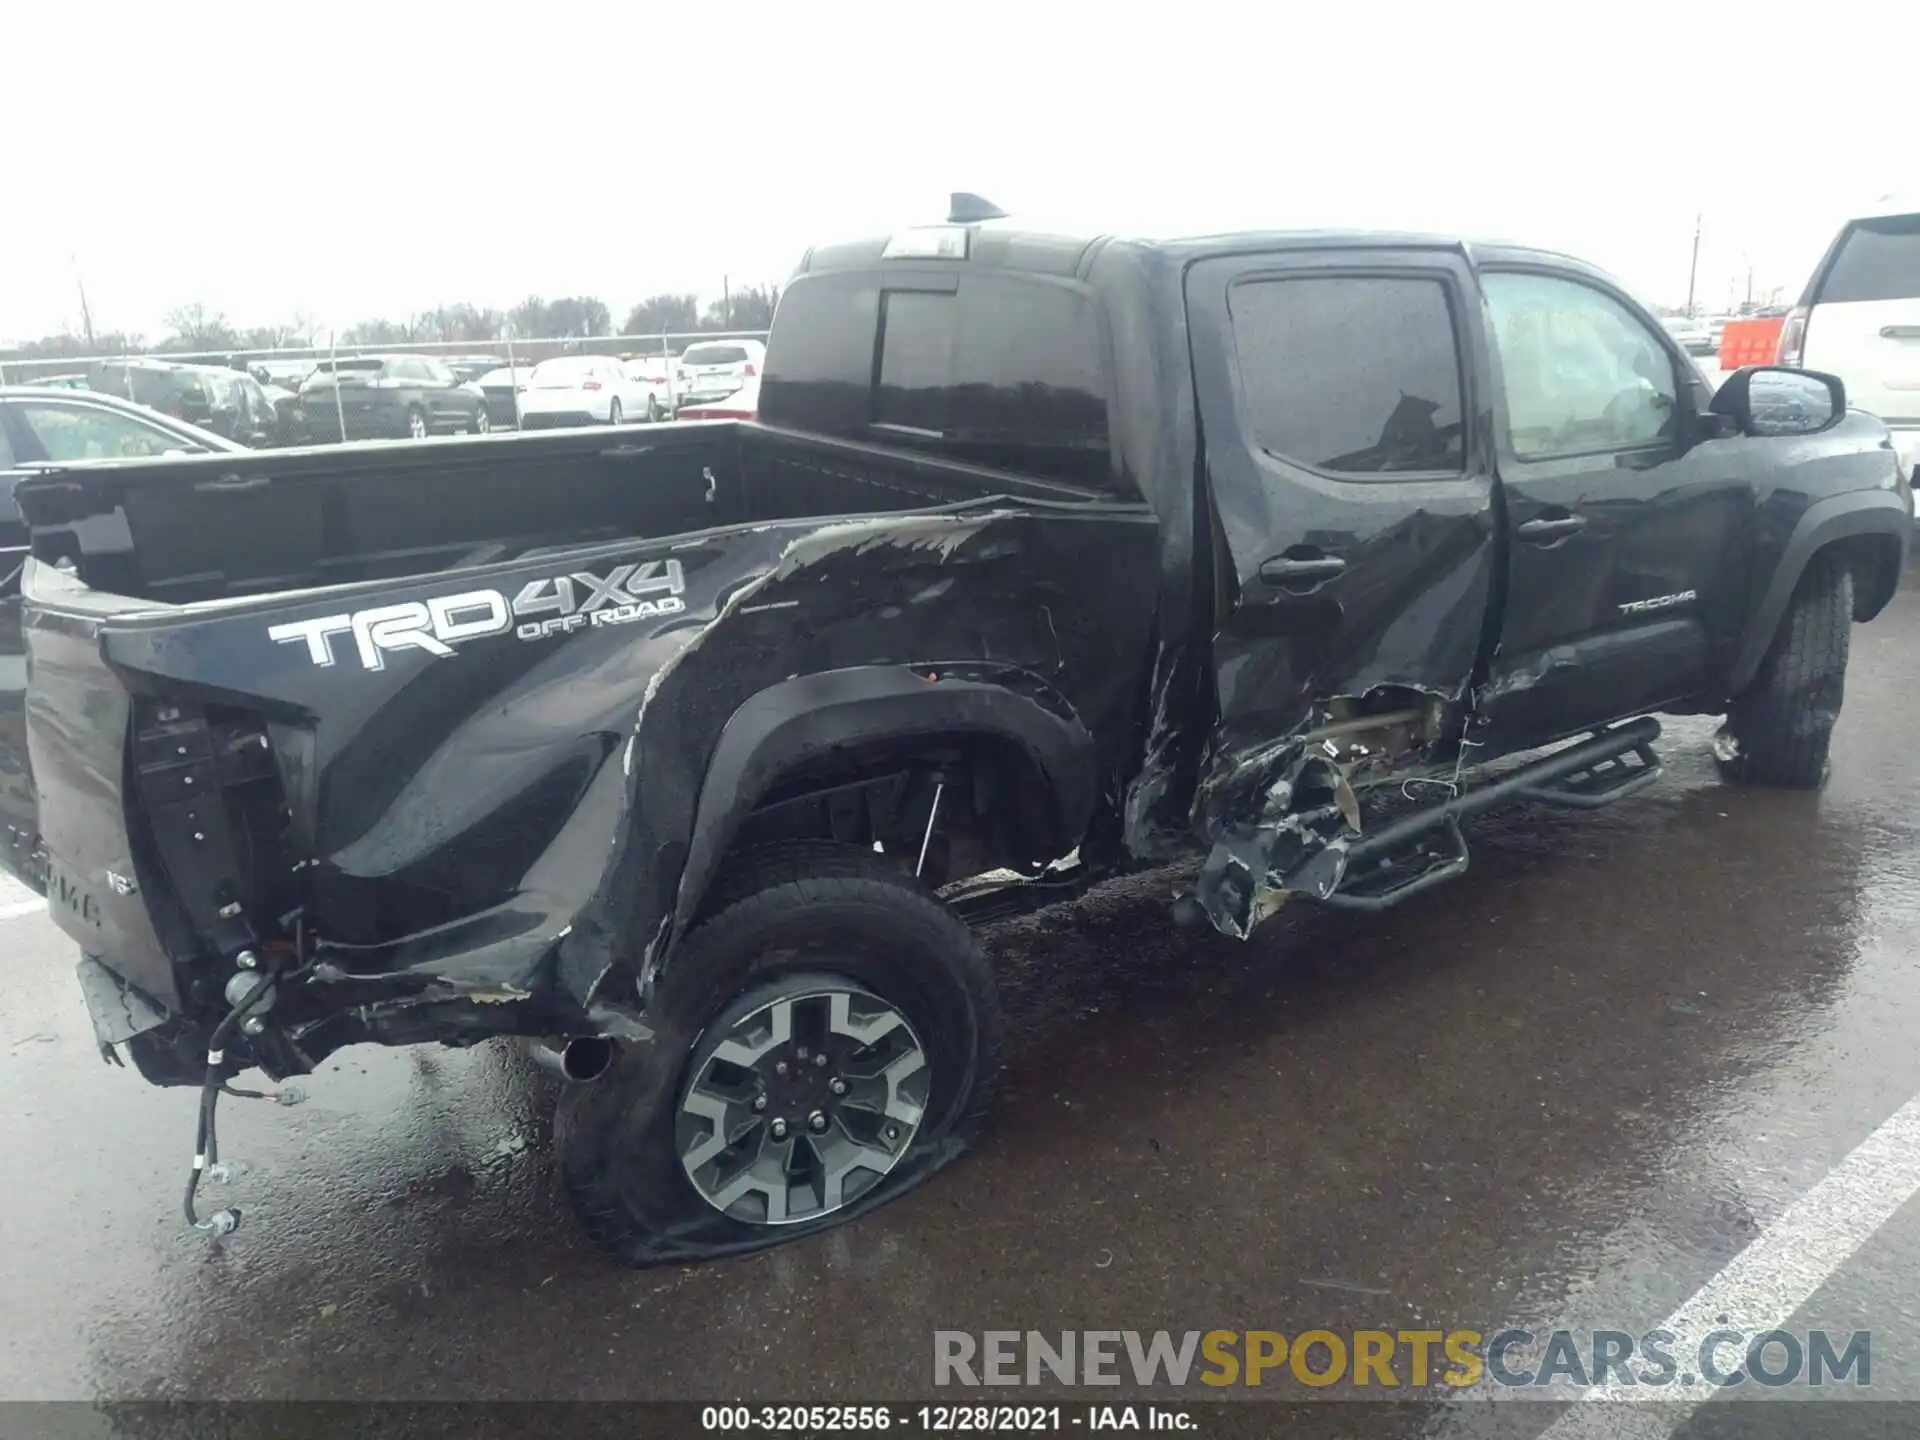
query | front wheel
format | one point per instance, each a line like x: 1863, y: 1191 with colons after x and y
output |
x: 416, y: 423
x: 826, y: 1038
x: 482, y: 422
x: 613, y: 411
x: 1780, y: 728
x: 653, y: 410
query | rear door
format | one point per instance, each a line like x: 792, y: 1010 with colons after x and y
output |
x: 1353, y: 490
x: 1864, y: 316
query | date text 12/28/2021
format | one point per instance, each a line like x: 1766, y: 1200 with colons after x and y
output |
x: 940, y: 1419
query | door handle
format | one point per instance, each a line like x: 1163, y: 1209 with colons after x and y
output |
x: 1553, y: 529
x: 1301, y: 573
x: 1900, y: 332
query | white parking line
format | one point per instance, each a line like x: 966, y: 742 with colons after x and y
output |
x: 1765, y: 1283
x: 18, y: 908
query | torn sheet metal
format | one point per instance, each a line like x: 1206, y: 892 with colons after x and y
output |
x: 1296, y: 841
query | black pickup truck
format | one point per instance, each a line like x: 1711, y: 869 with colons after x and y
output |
x: 695, y: 754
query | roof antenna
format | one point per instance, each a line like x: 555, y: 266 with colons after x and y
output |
x: 965, y: 209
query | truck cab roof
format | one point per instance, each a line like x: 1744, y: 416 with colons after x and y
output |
x: 992, y: 246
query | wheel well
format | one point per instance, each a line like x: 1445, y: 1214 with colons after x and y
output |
x: 1875, y: 562
x: 996, y: 807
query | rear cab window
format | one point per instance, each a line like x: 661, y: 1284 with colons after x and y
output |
x: 998, y: 368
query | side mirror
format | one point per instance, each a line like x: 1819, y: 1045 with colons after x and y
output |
x: 1770, y: 400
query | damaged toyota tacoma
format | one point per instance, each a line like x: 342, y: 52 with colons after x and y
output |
x: 695, y: 755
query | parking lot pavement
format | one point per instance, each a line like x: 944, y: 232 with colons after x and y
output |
x: 1574, y: 1088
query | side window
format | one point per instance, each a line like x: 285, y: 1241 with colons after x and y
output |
x: 84, y: 433
x: 1356, y: 375
x: 916, y: 360
x: 437, y: 372
x: 1581, y: 373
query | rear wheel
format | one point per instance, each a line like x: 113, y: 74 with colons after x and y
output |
x: 613, y: 411
x: 1780, y: 728
x: 416, y: 422
x: 653, y: 409
x: 482, y: 422
x: 827, y: 1037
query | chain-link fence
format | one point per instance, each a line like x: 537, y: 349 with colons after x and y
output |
x: 508, y: 351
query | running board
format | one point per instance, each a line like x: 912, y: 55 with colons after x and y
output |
x: 1402, y: 860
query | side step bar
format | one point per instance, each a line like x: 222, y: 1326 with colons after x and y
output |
x: 1399, y: 861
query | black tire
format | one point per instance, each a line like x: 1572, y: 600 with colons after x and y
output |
x: 614, y: 415
x: 417, y: 426
x: 806, y: 909
x: 482, y: 422
x: 653, y: 410
x: 1780, y: 727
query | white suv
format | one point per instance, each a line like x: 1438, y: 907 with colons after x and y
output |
x: 1860, y: 320
x: 715, y: 369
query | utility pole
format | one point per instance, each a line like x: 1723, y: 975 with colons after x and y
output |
x: 1693, y: 270
x: 726, y: 304
x: 86, y: 315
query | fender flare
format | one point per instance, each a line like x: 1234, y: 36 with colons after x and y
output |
x: 1864, y: 512
x: 810, y: 715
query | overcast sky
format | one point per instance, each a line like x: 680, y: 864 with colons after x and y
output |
x: 354, y: 160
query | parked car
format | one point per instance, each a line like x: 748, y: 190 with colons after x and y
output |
x: 583, y: 390
x: 715, y: 369
x: 1696, y: 337
x: 385, y: 397
x: 213, y: 397
x: 500, y: 389
x: 58, y: 382
x: 743, y: 404
x: 1051, y: 559
x: 468, y: 368
x: 287, y: 374
x: 654, y: 374
x: 1859, y: 318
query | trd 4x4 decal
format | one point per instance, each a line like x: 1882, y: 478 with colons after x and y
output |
x: 556, y: 605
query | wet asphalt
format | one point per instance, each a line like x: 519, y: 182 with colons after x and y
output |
x: 1567, y: 1089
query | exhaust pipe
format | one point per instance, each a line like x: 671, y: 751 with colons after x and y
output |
x: 577, y: 1061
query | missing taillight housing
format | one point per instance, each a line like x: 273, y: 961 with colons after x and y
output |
x: 751, y: 370
x: 1793, y: 338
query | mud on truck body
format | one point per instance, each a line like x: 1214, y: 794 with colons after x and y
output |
x: 697, y: 753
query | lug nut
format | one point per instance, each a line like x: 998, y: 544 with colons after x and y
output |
x: 820, y: 1059
x: 780, y: 1068
x: 779, y: 1128
x: 801, y: 1052
x: 817, y: 1121
x: 252, y: 1025
x: 759, y: 1103
x: 246, y: 959
x: 892, y: 1133
x: 837, y: 1085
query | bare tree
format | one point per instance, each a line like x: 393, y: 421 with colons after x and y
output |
x: 195, y: 327
x: 664, y: 315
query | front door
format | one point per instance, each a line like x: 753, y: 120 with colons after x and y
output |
x: 1352, y: 486
x: 1626, y: 520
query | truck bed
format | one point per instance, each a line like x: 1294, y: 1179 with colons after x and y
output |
x: 430, y: 697
x: 220, y: 527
